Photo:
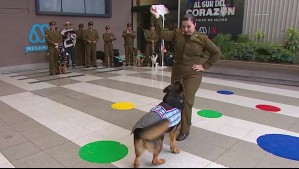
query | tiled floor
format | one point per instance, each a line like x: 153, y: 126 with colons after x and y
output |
x: 45, y: 120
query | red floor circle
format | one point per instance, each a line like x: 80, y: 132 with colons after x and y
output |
x: 268, y: 108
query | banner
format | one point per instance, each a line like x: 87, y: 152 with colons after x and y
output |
x: 216, y: 16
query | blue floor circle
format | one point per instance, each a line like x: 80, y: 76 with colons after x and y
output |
x: 225, y: 92
x: 284, y: 146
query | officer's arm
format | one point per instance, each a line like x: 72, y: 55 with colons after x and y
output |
x: 166, y: 35
x: 156, y: 38
x: 214, y: 51
x: 133, y: 34
x: 147, y: 37
x: 105, y: 38
x: 84, y: 36
x: 48, y: 40
x: 79, y: 34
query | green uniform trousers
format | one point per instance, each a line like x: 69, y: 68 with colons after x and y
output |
x: 53, y: 60
x: 91, y: 59
x: 129, y: 54
x: 148, y: 52
x: 191, y: 80
x: 108, y: 49
x: 80, y: 53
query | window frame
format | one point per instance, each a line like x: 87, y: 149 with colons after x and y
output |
x: 108, y: 9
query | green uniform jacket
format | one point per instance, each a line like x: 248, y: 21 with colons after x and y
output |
x: 108, y: 38
x: 129, y: 37
x: 150, y: 35
x: 91, y: 35
x: 52, y: 37
x: 80, y: 34
x: 190, y: 50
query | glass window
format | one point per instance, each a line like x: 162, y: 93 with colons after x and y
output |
x: 73, y: 6
x: 100, y: 8
x: 95, y: 6
x: 50, y: 5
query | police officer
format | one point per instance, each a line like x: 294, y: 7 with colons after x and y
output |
x: 129, y: 35
x: 53, y: 39
x: 189, y: 61
x: 108, y: 38
x: 91, y: 38
x: 151, y: 39
x: 80, y: 46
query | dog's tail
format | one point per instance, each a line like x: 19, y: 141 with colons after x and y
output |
x: 155, y: 130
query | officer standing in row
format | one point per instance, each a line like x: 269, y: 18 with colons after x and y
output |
x: 91, y: 38
x: 129, y: 35
x: 108, y: 38
x: 80, y: 46
x: 53, y: 39
x: 151, y: 39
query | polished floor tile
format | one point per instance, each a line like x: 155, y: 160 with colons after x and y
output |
x: 45, y: 120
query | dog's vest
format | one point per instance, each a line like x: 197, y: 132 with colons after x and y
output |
x: 157, y: 113
x: 172, y: 114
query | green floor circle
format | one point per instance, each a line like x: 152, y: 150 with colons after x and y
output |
x: 103, y: 152
x: 209, y: 113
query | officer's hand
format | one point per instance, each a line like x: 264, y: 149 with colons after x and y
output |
x: 198, y: 68
x: 94, y: 42
x: 154, y: 11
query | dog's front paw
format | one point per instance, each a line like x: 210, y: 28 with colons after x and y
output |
x: 175, y: 150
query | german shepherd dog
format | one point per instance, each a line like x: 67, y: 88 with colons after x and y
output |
x: 62, y: 59
x: 164, y: 118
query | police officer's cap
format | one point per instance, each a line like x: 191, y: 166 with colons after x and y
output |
x: 129, y: 25
x: 81, y: 25
x: 107, y: 27
x: 90, y: 23
x: 52, y: 23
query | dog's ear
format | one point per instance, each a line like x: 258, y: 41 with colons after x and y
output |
x: 167, y: 89
x: 178, y: 86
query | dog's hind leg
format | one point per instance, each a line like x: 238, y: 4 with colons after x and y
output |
x: 156, y: 149
x: 139, y: 149
x: 156, y: 160
x: 137, y: 161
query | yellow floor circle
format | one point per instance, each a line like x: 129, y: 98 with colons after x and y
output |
x: 123, y: 106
